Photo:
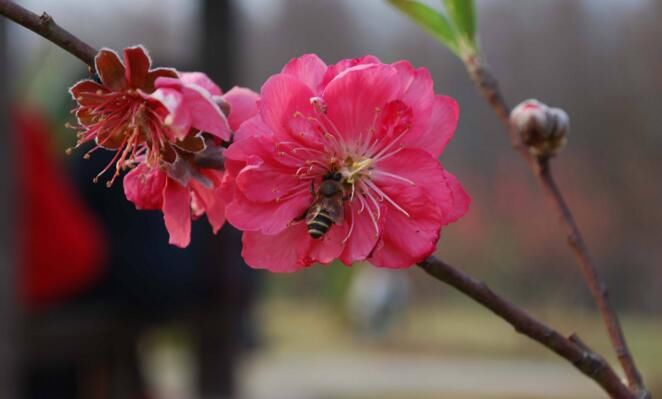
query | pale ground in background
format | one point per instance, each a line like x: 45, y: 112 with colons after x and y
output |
x: 445, y: 352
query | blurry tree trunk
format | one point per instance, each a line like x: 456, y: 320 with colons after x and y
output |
x: 7, y: 234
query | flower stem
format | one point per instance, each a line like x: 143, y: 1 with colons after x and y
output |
x: 570, y: 348
x: 541, y: 169
x: 45, y: 26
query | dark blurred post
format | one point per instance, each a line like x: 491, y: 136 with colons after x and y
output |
x: 220, y: 330
x: 219, y: 41
x: 7, y: 233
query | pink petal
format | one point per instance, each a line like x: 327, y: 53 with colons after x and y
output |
x: 284, y: 252
x: 441, y: 122
x: 405, y: 240
x: 430, y: 183
x: 417, y: 85
x: 309, y: 68
x: 211, y: 199
x: 202, y: 80
x: 137, y: 63
x: 253, y: 127
x: 364, y: 237
x: 110, y: 69
x: 263, y: 183
x: 329, y: 247
x: 179, y: 119
x: 284, y: 106
x: 459, y: 205
x: 343, y: 65
x: 144, y: 187
x: 243, y: 105
x: 268, y: 217
x: 177, y: 213
x: 435, y: 199
x: 190, y: 106
x: 216, y: 212
x: 354, y: 97
x: 206, y: 114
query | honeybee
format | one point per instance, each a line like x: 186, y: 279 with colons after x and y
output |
x: 327, y: 207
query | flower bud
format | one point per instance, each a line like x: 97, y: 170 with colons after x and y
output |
x: 542, y: 129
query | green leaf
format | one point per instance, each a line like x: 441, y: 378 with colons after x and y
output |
x: 431, y: 20
x: 463, y: 14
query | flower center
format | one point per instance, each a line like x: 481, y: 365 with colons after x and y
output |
x: 353, y: 170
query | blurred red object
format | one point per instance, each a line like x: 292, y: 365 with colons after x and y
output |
x: 63, y: 244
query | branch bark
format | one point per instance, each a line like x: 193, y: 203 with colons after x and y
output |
x: 45, y: 26
x: 541, y: 169
x: 572, y: 348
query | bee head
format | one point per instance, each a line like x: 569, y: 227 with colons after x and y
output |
x: 333, y: 175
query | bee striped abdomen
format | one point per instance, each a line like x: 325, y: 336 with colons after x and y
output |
x: 320, y: 224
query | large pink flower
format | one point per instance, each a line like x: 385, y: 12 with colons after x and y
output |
x: 381, y: 127
x: 188, y: 185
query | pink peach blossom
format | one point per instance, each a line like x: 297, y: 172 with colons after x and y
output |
x: 141, y: 112
x: 190, y: 185
x: 381, y: 127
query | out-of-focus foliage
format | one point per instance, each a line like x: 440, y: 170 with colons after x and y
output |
x: 456, y: 30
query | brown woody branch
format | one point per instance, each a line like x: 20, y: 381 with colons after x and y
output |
x: 572, y: 348
x: 541, y: 169
x: 45, y: 26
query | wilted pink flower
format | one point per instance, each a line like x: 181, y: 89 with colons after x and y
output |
x: 124, y: 113
x: 188, y: 185
x: 380, y: 129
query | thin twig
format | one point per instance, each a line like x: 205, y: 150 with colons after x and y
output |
x: 572, y: 349
x: 45, y: 26
x: 489, y: 89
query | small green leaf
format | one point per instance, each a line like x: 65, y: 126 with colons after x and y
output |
x: 463, y: 14
x: 431, y: 20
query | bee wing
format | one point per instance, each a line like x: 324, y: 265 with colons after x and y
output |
x: 335, y: 207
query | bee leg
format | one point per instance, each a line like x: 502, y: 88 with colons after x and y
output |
x: 300, y: 217
x: 312, y: 187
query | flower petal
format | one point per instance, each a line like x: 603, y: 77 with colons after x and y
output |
x: 354, y: 97
x: 144, y: 187
x: 243, y: 105
x: 284, y: 106
x: 268, y: 217
x: 177, y: 213
x: 110, y: 69
x: 263, y: 183
x: 364, y: 237
x: 156, y: 73
x: 459, y: 205
x: 253, y: 127
x: 441, y: 122
x: 200, y: 79
x: 137, y: 63
x: 309, y: 68
x: 343, y: 65
x: 405, y: 240
x: 284, y: 252
x: 80, y: 89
